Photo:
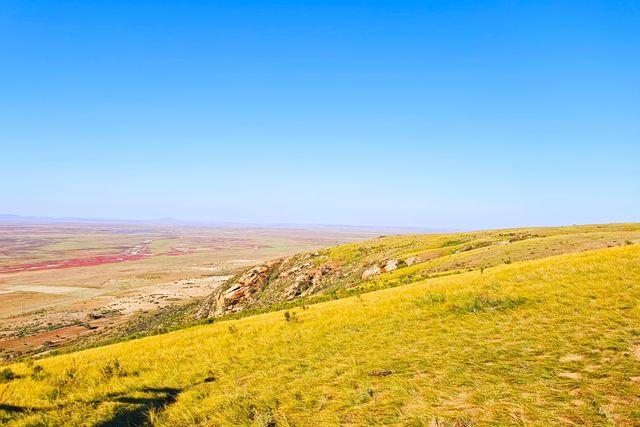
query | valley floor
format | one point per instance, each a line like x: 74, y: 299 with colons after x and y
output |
x: 63, y: 284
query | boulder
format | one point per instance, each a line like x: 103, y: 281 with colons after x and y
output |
x: 391, y: 265
x: 371, y: 271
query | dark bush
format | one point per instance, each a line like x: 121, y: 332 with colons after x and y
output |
x: 37, y: 372
x: 6, y: 375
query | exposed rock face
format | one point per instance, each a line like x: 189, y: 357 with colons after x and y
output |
x: 242, y: 288
x: 306, y: 283
x: 391, y: 265
x: 300, y: 284
x: 250, y: 282
x: 371, y: 271
x: 289, y: 278
x: 295, y: 269
x: 383, y: 267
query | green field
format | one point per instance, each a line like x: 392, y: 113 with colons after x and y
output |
x: 548, y: 341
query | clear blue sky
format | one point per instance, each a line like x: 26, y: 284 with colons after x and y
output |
x: 446, y: 114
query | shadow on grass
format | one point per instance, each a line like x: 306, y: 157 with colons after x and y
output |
x: 138, y: 416
x: 12, y: 408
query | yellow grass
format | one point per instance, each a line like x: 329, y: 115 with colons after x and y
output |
x: 542, y: 342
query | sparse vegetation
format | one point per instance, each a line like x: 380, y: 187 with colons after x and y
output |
x: 112, y: 369
x: 37, y: 372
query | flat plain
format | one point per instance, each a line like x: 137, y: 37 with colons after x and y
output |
x: 62, y: 281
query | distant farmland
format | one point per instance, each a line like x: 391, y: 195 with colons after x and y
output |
x: 61, y: 281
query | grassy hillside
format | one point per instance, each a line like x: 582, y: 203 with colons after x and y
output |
x: 394, y: 260
x: 356, y: 268
x: 541, y: 342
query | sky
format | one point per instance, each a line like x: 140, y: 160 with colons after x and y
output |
x: 438, y: 114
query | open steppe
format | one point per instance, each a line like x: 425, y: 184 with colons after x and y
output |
x: 61, y: 281
x: 533, y: 326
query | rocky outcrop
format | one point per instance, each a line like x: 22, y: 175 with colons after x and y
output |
x: 228, y: 299
x: 391, y: 265
x: 289, y: 278
x: 247, y: 284
x: 371, y: 271
x: 382, y: 267
x: 306, y: 283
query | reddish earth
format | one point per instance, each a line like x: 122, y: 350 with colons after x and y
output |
x: 134, y: 254
x: 45, y: 339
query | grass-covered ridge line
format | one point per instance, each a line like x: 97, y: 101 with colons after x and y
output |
x: 395, y: 260
x: 549, y: 341
x: 339, y: 271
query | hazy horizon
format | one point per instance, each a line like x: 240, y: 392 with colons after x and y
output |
x: 183, y: 221
x: 204, y: 223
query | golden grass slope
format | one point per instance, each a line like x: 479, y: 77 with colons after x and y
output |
x: 394, y: 260
x: 544, y: 342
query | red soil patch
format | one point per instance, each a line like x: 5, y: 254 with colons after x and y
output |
x: 132, y: 255
x: 54, y: 337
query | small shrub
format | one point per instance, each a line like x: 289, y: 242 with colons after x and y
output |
x: 291, y: 317
x: 112, y: 369
x: 53, y: 394
x: 628, y: 242
x: 7, y: 375
x: 69, y: 374
x: 37, y: 372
